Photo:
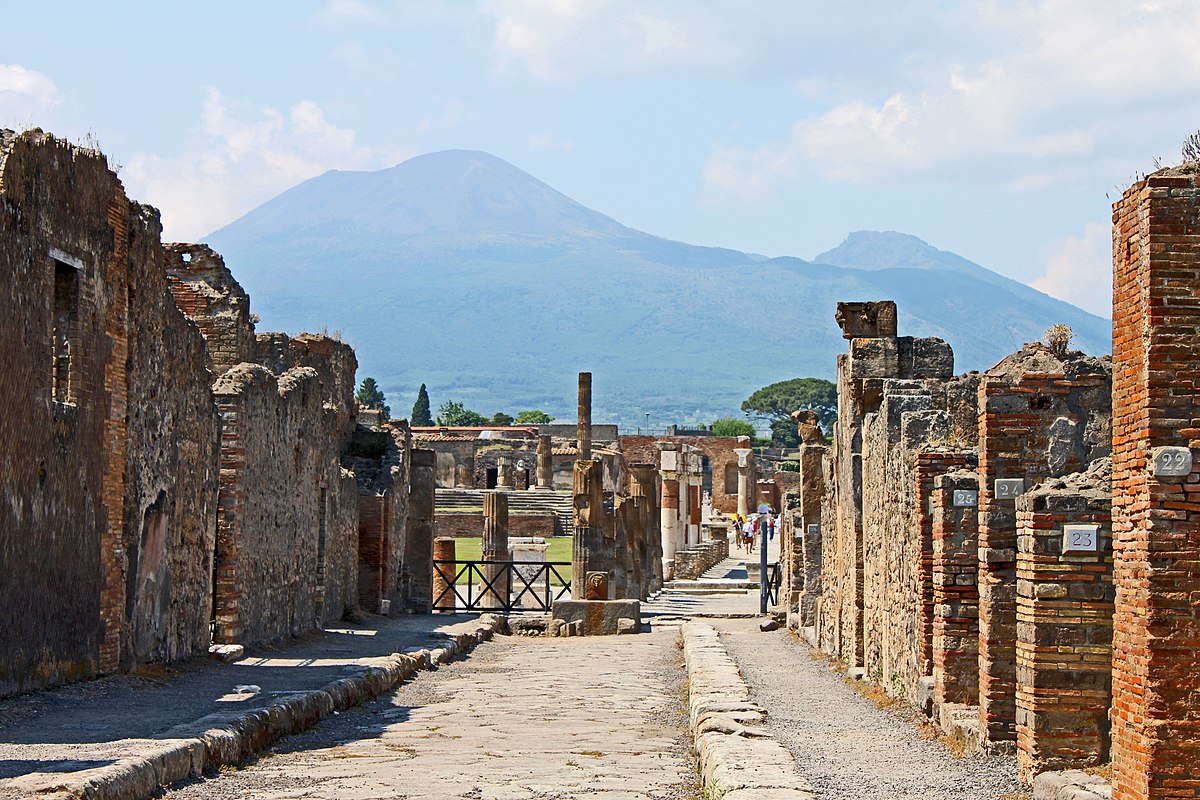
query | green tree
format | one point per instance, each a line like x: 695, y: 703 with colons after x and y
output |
x: 452, y: 414
x: 774, y: 405
x: 500, y: 418
x: 730, y: 426
x: 369, y: 395
x: 534, y: 417
x: 420, y: 412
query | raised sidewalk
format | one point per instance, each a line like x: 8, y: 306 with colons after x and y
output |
x: 123, y: 736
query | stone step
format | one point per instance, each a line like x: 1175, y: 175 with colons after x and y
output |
x: 711, y: 584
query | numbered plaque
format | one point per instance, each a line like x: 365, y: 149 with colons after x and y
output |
x: 1081, y: 538
x: 814, y: 530
x: 966, y: 497
x: 1171, y: 461
x: 1009, y: 488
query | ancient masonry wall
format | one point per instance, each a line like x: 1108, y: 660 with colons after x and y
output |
x: 80, y: 278
x: 380, y: 461
x: 1064, y: 622
x: 718, y: 450
x: 955, y: 568
x: 1156, y: 514
x: 1041, y: 415
x: 288, y: 515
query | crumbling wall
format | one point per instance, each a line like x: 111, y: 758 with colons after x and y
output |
x: 282, y: 537
x: 1041, y: 415
x: 205, y: 290
x: 381, y: 462
x: 100, y: 420
x: 721, y: 467
x: 955, y: 571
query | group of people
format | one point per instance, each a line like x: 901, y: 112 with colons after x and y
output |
x: 750, y: 527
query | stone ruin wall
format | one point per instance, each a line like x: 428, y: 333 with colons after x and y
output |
x: 96, y: 499
x: 717, y: 449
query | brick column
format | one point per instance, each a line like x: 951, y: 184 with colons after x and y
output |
x: 955, y: 566
x: 443, y: 595
x: 1156, y: 519
x: 1064, y: 627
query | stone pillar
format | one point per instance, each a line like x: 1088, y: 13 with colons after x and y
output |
x: 955, y: 568
x: 1156, y: 518
x: 545, y: 463
x: 418, y: 533
x: 443, y: 595
x: 643, y: 482
x: 1064, y: 624
x: 745, y: 487
x: 503, y: 472
x: 590, y: 568
x: 462, y: 477
x: 495, y: 548
x: 584, y: 429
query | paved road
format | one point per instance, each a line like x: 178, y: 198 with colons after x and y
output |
x: 520, y: 719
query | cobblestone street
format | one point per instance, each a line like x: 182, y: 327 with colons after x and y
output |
x: 520, y: 719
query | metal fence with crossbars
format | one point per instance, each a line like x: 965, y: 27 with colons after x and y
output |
x: 507, y: 586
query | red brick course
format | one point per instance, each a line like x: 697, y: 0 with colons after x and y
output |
x: 1156, y: 520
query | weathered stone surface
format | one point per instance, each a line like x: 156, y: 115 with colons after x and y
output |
x: 598, y: 617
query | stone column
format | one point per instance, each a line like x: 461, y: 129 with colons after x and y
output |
x: 462, y: 477
x: 590, y: 572
x: 1155, y: 516
x: 503, y: 472
x: 443, y: 595
x: 545, y: 463
x: 584, y: 429
x: 745, y: 487
x: 495, y: 548
x: 418, y: 533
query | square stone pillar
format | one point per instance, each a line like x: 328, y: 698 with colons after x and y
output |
x: 955, y: 570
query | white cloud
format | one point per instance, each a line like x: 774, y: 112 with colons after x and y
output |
x: 548, y: 140
x: 242, y: 156
x: 564, y: 40
x: 1040, y: 86
x: 1079, y: 270
x: 25, y: 96
x: 343, y: 12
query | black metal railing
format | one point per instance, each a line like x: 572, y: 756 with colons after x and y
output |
x: 499, y: 585
x: 774, y: 581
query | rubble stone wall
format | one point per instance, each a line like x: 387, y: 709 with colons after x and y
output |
x: 955, y: 567
x: 107, y: 437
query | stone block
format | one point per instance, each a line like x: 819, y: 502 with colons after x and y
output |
x: 598, y: 617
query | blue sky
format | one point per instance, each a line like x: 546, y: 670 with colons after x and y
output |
x: 991, y: 129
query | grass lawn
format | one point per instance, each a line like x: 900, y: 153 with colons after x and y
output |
x: 470, y: 548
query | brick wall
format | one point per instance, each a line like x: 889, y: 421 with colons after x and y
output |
x: 1041, y: 415
x: 1156, y: 519
x: 1064, y: 623
x: 717, y: 449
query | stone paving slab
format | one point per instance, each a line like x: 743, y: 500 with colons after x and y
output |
x: 123, y: 736
x: 523, y: 719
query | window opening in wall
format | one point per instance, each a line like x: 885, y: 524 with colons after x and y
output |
x: 65, y: 344
x: 706, y: 475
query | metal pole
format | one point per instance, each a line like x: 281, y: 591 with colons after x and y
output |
x: 763, y: 579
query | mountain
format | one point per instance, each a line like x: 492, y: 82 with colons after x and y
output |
x: 460, y: 271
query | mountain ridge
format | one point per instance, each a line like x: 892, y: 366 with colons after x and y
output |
x: 459, y: 270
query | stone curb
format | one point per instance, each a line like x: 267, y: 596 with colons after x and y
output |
x: 739, y: 759
x: 1070, y: 784
x: 202, y: 747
